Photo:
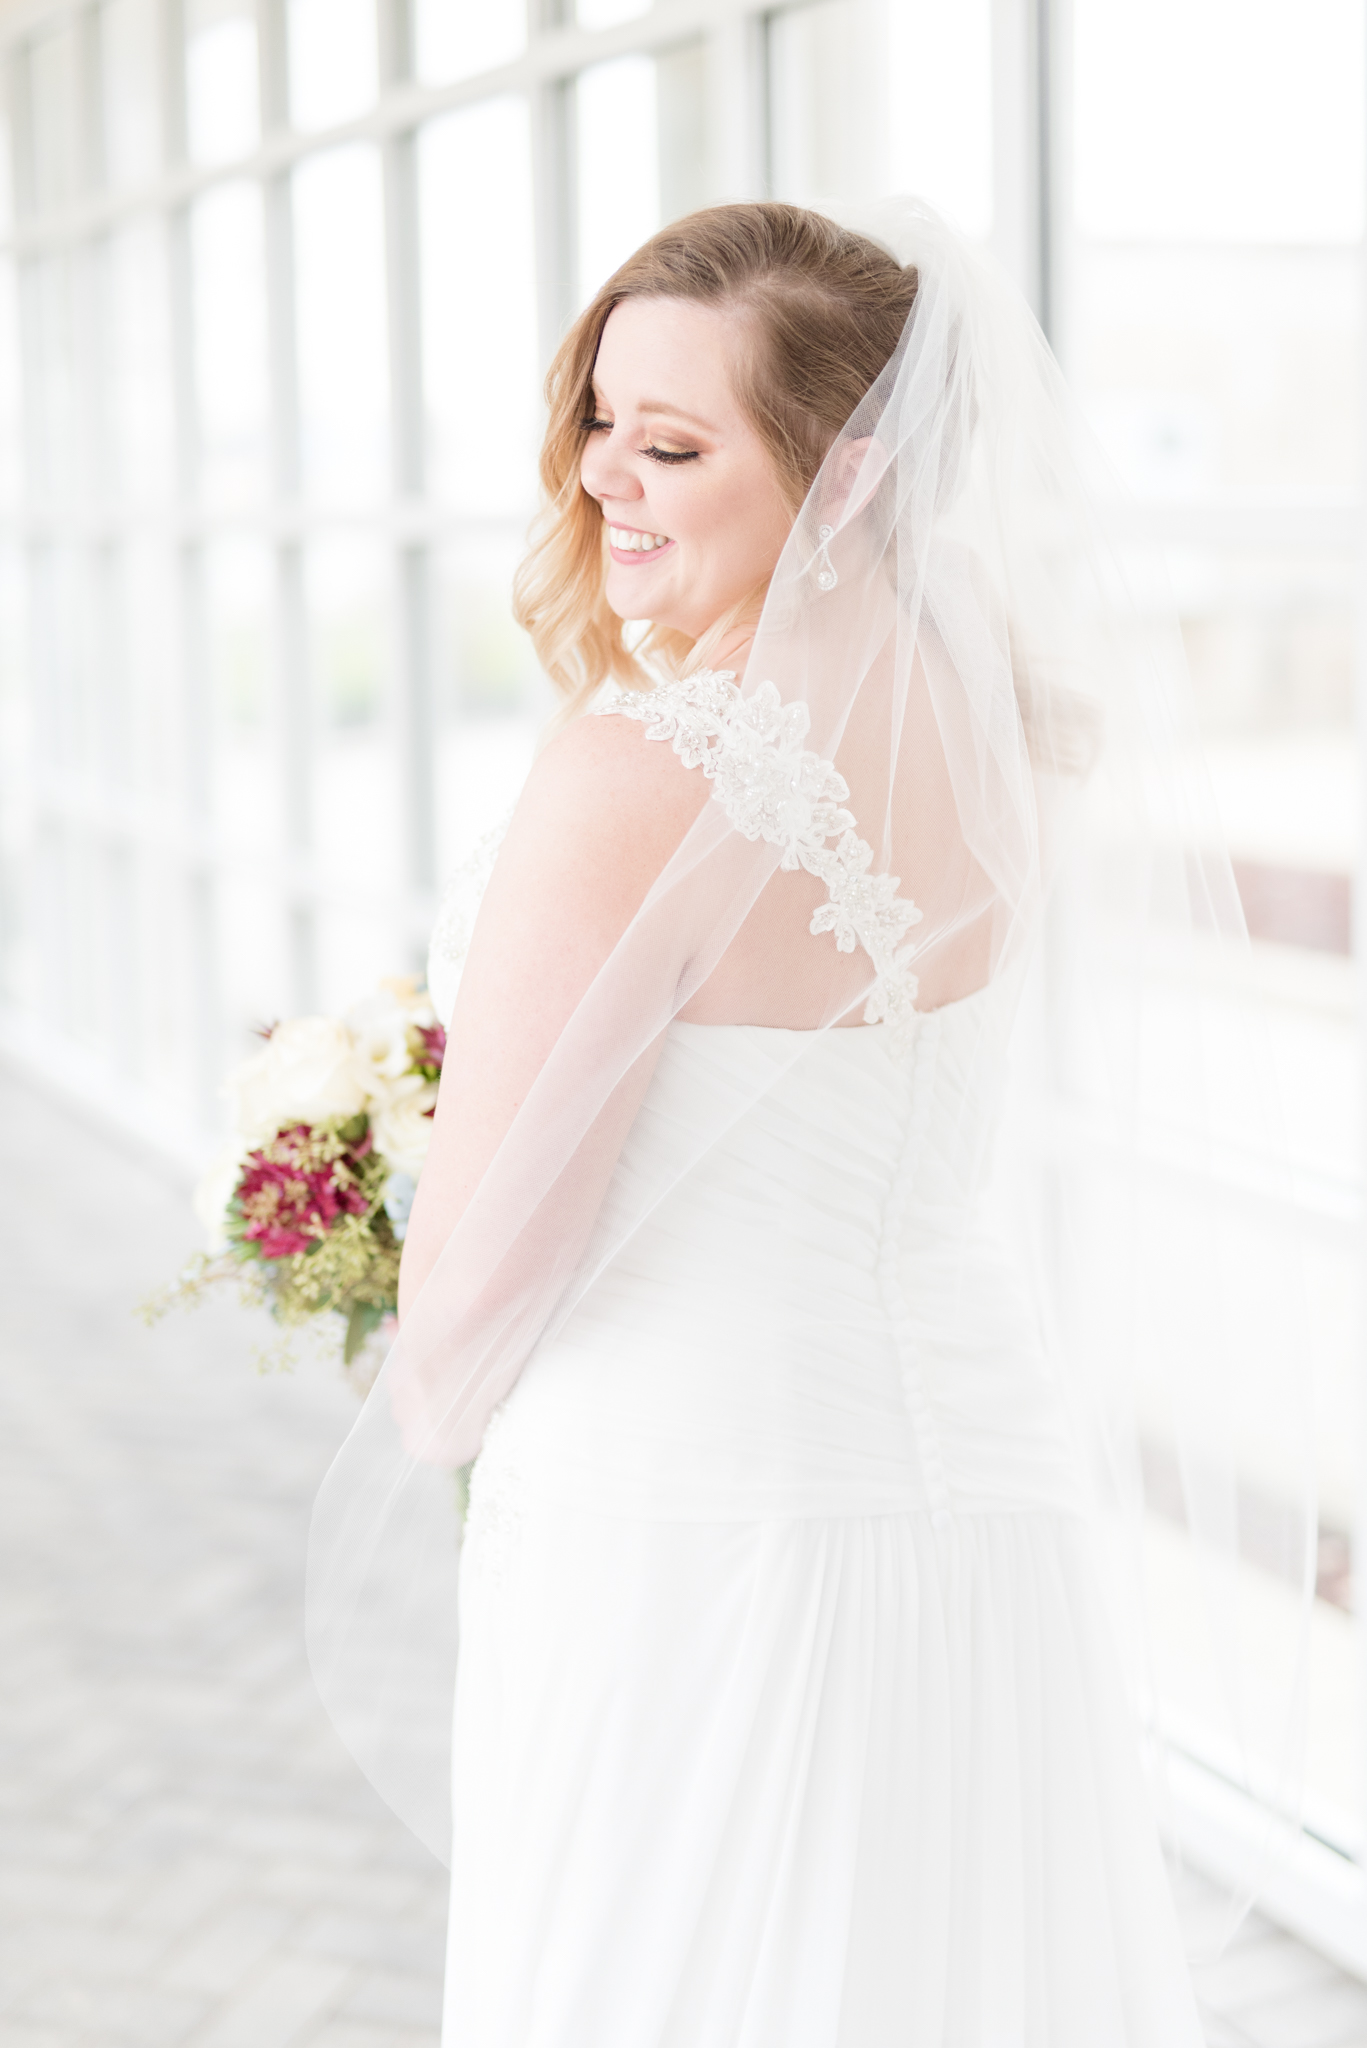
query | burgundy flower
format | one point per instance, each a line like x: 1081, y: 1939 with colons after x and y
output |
x: 290, y: 1195
x: 433, y: 1038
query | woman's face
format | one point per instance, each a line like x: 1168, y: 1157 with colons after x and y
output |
x: 690, y: 498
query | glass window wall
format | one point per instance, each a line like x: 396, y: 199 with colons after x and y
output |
x: 277, y: 290
x: 1212, y: 324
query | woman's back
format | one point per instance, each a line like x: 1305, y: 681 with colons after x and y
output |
x: 890, y: 758
x: 815, y: 1316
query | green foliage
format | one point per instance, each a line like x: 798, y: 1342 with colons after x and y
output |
x: 351, y: 1271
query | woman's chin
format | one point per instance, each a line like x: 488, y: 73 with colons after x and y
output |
x: 635, y: 593
x: 637, y: 604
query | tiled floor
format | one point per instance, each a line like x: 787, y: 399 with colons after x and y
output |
x: 186, y: 1854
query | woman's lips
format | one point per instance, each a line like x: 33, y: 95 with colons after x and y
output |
x: 632, y: 557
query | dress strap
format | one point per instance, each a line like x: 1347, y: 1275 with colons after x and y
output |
x: 773, y: 788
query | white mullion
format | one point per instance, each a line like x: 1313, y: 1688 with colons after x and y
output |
x: 85, y: 937
x: 553, y: 213
x: 90, y: 140
x: 737, y: 107
x: 411, y: 639
x: 99, y: 652
x: 1016, y: 144
x: 170, y: 60
x: 175, y: 213
x: 1062, y: 212
x: 107, y: 559
x: 1045, y: 24
x: 401, y: 250
x: 45, y: 893
x: 20, y: 109
x: 39, y: 898
x: 199, y: 893
x: 292, y: 696
x: 294, y: 732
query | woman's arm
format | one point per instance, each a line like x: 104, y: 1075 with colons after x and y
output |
x: 601, y: 814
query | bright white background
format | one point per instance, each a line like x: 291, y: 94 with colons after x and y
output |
x: 278, y: 283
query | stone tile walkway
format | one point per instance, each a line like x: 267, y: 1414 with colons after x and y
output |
x: 187, y: 1855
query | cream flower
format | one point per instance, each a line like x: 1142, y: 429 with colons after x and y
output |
x: 379, y: 1029
x: 305, y: 1073
x: 401, y: 1127
x: 382, y: 1028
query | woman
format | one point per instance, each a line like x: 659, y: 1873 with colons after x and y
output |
x: 786, y: 1713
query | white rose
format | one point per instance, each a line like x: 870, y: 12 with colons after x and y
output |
x: 213, y: 1194
x: 402, y: 1128
x: 381, y: 1050
x: 305, y: 1073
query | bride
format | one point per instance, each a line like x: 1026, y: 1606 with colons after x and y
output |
x: 787, y: 1713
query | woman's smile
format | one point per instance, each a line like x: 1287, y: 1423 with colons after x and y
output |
x: 666, y: 438
x: 631, y: 546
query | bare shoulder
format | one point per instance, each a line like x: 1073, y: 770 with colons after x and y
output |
x: 600, y: 814
x: 604, y: 779
x: 614, y: 752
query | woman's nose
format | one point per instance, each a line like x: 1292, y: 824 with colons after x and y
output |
x: 606, y: 470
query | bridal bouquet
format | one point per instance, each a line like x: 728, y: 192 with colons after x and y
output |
x: 306, y: 1210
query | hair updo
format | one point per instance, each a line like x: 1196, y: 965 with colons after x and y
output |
x: 824, y: 307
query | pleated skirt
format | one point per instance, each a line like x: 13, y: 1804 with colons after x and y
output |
x: 833, y: 1782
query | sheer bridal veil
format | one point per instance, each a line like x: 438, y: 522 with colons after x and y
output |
x: 959, y: 623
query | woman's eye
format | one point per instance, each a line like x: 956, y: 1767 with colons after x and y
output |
x: 593, y: 425
x: 671, y: 454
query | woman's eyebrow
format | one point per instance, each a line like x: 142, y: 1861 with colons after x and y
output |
x: 676, y: 413
x: 659, y: 406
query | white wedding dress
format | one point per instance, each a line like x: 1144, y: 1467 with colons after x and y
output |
x: 788, y: 1714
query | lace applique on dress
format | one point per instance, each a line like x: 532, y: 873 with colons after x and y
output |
x: 775, y: 789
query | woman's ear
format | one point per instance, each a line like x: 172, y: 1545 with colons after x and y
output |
x: 858, y: 468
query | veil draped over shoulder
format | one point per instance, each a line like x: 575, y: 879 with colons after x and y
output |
x: 961, y: 766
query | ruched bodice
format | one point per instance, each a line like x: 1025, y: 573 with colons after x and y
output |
x: 817, y: 1317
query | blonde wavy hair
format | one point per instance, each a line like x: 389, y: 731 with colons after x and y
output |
x: 823, y: 309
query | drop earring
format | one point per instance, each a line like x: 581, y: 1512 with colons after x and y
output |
x: 826, y: 578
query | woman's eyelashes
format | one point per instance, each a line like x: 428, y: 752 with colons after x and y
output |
x: 593, y: 424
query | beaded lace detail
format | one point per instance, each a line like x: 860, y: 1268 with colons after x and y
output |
x: 775, y: 789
